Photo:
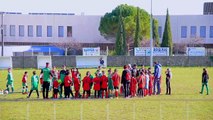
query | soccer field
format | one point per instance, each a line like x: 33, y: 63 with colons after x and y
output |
x: 185, y: 103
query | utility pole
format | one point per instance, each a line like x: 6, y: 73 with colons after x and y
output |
x: 2, y: 35
x: 151, y: 39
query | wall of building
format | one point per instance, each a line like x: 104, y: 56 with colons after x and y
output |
x: 188, y: 20
x: 58, y: 61
x: 85, y: 28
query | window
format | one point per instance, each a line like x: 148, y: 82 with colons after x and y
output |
x: 49, y: 31
x: 203, y: 31
x: 211, y: 32
x: 21, y: 30
x: 12, y: 30
x: 193, y: 31
x: 60, y: 31
x: 30, y: 31
x: 160, y: 31
x: 5, y: 30
x: 183, y: 32
x: 69, y: 31
x: 39, y: 31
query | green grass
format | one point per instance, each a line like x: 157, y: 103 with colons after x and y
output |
x: 185, y: 103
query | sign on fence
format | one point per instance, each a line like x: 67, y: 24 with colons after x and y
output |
x: 195, y: 51
x: 157, y: 51
x: 91, y: 51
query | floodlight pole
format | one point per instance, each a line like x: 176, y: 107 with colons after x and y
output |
x: 2, y: 35
x: 151, y: 39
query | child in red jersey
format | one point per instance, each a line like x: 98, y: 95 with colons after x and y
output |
x: 151, y: 80
x: 76, y: 86
x: 55, y: 88
x: 24, y: 83
x: 67, y: 84
x: 146, y: 88
x: 141, y: 80
x: 133, y: 84
x: 116, y: 81
x: 41, y: 82
x: 104, y: 84
x: 86, y: 84
x: 97, y: 85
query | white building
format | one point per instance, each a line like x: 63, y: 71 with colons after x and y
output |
x: 186, y: 28
x: 28, y: 29
x: 37, y: 28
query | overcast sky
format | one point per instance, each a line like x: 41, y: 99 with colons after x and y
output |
x: 100, y: 7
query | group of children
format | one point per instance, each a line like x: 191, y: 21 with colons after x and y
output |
x: 104, y: 85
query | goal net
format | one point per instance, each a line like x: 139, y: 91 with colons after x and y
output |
x: 91, y: 61
x: 42, y: 60
x: 6, y: 62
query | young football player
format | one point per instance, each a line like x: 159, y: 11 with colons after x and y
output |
x: 133, y: 84
x: 110, y: 83
x: 76, y: 86
x: 86, y: 84
x: 10, y: 80
x: 34, y: 84
x: 97, y: 85
x: 67, y: 84
x: 116, y: 82
x: 104, y: 85
x: 24, y: 83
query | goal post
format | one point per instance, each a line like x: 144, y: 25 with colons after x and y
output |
x: 6, y: 62
x: 91, y: 61
x: 42, y: 60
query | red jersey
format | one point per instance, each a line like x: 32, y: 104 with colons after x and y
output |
x: 24, y: 79
x: 97, y: 83
x: 133, y: 83
x: 41, y: 81
x: 76, y: 83
x: 151, y: 80
x: 141, y: 81
x: 74, y: 74
x: 116, y: 79
x: 128, y: 76
x: 86, y: 83
x: 67, y: 81
x: 55, y: 84
x: 104, y: 82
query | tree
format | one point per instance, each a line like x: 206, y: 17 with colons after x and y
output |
x: 167, y: 34
x: 155, y: 33
x: 137, y: 29
x: 121, y: 46
x: 109, y: 25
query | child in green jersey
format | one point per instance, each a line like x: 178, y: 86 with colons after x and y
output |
x: 34, y: 84
x: 10, y: 80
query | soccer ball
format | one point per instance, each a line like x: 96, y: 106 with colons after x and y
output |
x: 6, y: 92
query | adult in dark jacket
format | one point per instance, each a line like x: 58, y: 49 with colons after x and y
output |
x: 125, y: 80
x: 168, y: 79
x: 205, y: 78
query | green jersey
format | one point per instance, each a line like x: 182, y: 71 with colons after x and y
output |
x: 110, y: 82
x: 10, y: 78
x: 62, y: 75
x: 34, y: 82
x: 46, y: 74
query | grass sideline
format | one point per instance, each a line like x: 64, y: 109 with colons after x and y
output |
x: 184, y: 103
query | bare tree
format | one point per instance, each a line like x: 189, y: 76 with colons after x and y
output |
x: 180, y: 48
x: 145, y: 43
x: 68, y: 45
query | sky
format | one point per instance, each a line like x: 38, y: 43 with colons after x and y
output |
x: 100, y: 7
